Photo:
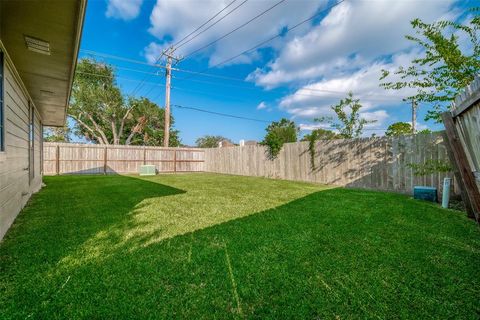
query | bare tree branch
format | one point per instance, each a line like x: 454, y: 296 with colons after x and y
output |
x: 122, y: 123
x: 99, y: 130
x: 136, y: 129
x: 114, y: 132
x: 99, y: 138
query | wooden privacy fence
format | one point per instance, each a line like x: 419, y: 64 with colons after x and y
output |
x: 374, y: 163
x: 463, y: 135
x: 66, y: 158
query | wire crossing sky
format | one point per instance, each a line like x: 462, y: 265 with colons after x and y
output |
x: 249, y: 62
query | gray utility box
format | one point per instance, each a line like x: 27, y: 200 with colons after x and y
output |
x: 147, y: 170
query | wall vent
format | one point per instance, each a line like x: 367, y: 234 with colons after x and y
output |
x: 37, y: 45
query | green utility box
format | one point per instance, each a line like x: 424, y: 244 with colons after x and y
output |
x: 425, y: 193
x: 147, y: 170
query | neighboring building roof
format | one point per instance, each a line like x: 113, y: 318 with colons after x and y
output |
x: 42, y: 38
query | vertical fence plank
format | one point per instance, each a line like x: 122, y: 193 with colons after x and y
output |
x: 57, y: 159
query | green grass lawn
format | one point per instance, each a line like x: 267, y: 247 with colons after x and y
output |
x: 213, y: 246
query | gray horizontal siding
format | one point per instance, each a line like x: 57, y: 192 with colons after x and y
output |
x: 15, y: 187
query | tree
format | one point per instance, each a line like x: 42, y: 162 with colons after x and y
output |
x: 285, y: 129
x: 104, y: 116
x: 210, y: 141
x: 150, y: 132
x: 349, y: 123
x: 278, y: 133
x: 56, y: 134
x: 320, y: 134
x: 424, y: 131
x: 398, y: 129
x: 445, y: 66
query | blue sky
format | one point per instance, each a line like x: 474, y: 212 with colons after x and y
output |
x: 297, y: 76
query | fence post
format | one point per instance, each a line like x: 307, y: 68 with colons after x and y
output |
x: 460, y: 159
x: 144, y: 155
x: 105, y: 161
x: 174, y: 160
x: 57, y: 158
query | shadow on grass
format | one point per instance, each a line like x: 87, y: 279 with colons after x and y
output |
x: 83, y: 206
x: 335, y: 253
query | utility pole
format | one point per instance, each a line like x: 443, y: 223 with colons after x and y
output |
x: 168, y: 74
x: 414, y: 116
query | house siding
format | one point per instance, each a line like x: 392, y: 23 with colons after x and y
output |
x: 15, y: 185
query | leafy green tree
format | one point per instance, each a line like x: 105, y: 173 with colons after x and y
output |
x: 104, y: 116
x: 148, y: 130
x: 424, y: 131
x: 398, y: 129
x: 445, y: 66
x: 56, y: 134
x: 349, y: 124
x: 278, y: 133
x: 208, y: 141
x: 320, y: 134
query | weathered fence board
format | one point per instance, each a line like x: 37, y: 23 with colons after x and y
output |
x: 66, y: 158
x: 464, y: 140
x: 468, y: 126
x: 374, y: 163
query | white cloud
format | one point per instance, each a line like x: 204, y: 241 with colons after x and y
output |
x: 172, y: 20
x: 313, y: 126
x: 261, y: 105
x: 379, y: 116
x: 378, y: 127
x: 153, y: 51
x: 314, y: 100
x: 123, y: 9
x: 351, y: 35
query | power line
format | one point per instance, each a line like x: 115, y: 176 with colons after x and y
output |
x: 210, y: 26
x: 342, y: 93
x: 278, y: 35
x: 221, y: 77
x: 117, y: 77
x: 140, y: 85
x: 270, y: 39
x: 209, y: 94
x: 237, y: 28
x: 194, y: 108
x: 246, y: 118
x: 220, y: 114
x: 246, y: 88
x: 110, y: 56
x: 299, y: 92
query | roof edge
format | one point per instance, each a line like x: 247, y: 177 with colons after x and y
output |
x: 82, y: 8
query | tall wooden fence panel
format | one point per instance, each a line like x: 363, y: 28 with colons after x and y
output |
x: 375, y: 163
x: 463, y: 130
x: 467, y: 122
x: 66, y: 158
